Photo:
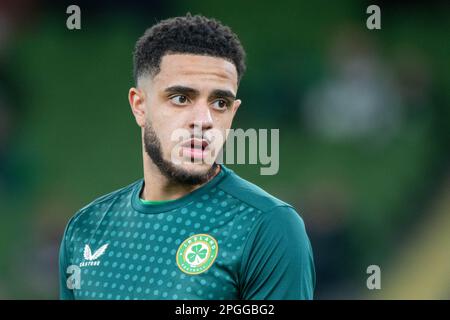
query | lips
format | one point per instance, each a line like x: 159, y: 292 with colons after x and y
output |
x: 195, y: 148
x: 196, y: 143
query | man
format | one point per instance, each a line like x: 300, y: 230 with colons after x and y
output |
x: 190, y: 229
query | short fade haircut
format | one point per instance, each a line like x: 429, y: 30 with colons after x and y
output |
x: 189, y: 35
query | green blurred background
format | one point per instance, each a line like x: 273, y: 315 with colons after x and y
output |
x: 363, y: 116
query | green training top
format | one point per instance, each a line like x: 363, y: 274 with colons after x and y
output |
x: 228, y: 239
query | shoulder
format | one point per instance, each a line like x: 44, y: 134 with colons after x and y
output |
x: 282, y: 225
x: 272, y: 217
x: 101, y: 202
x: 249, y: 193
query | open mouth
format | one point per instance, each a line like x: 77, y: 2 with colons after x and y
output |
x: 195, y: 148
x: 198, y: 144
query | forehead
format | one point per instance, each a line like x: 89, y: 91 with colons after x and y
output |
x: 188, y: 69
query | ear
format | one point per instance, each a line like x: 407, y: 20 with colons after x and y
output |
x: 236, y: 105
x: 136, y: 98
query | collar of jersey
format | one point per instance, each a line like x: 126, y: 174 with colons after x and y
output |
x: 178, y: 203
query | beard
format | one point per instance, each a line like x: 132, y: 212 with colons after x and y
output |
x: 152, y: 146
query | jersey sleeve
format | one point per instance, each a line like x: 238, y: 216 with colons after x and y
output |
x: 277, y: 262
x: 64, y: 292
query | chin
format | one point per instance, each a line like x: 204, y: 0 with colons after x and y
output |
x: 195, y: 168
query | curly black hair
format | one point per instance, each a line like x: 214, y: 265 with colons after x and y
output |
x: 187, y: 34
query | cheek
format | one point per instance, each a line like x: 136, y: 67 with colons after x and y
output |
x: 168, y: 135
x: 159, y: 120
x: 221, y: 124
x: 224, y: 122
x: 164, y: 133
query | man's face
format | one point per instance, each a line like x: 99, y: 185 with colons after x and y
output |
x: 184, y: 111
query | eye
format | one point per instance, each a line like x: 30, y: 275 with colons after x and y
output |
x: 221, y: 104
x: 179, y: 100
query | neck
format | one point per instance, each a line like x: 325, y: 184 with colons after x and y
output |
x: 158, y: 188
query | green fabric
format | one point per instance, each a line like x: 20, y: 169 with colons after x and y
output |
x: 228, y: 239
x: 153, y: 202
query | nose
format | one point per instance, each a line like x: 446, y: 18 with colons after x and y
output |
x: 201, y: 118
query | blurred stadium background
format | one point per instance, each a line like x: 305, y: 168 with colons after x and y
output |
x: 363, y: 116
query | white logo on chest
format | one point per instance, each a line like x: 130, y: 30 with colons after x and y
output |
x: 91, y: 258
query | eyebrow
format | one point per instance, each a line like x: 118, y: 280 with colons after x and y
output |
x: 182, y: 90
x: 219, y: 93
x: 216, y: 93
